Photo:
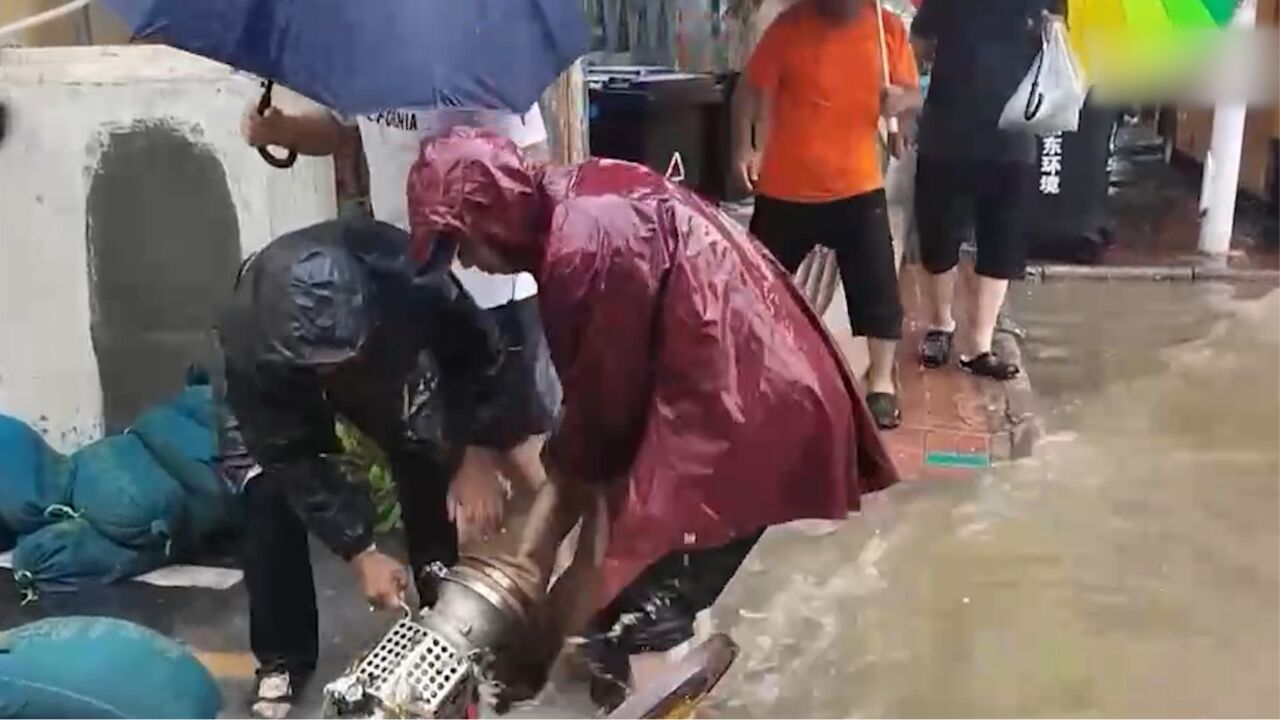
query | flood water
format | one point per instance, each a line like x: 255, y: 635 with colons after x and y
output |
x: 1130, y: 568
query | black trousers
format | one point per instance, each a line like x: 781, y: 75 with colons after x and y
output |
x: 283, y: 620
x: 283, y: 623
x: 857, y: 229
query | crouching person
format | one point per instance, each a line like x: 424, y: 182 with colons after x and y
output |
x: 335, y: 321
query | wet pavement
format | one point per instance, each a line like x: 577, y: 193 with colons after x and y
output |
x: 1154, y: 212
x: 952, y: 421
x: 1130, y: 568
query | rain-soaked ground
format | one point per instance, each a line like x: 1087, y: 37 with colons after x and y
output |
x: 1130, y: 568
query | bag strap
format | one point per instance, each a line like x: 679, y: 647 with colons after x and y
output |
x: 1035, y: 98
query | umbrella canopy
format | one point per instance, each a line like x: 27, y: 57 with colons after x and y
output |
x: 374, y: 55
x: 1137, y: 43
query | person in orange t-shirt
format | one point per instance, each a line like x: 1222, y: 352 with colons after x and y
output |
x: 807, y: 142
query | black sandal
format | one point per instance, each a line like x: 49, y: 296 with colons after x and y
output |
x: 884, y: 408
x: 989, y: 366
x: 935, y: 351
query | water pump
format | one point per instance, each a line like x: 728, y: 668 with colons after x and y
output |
x: 430, y: 666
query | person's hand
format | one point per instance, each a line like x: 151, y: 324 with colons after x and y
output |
x: 382, y: 578
x: 266, y: 128
x: 476, y: 496
x: 895, y: 100
x: 747, y: 164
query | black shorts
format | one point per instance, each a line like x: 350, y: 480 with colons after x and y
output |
x: 531, y: 392
x: 857, y: 229
x: 989, y: 196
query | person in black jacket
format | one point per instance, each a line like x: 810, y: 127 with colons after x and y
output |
x: 336, y: 320
x: 972, y: 174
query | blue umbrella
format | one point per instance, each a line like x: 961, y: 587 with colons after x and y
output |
x: 359, y: 56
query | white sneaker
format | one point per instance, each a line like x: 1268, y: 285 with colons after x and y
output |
x: 273, y: 698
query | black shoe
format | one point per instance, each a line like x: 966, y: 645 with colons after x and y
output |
x: 935, y: 351
x: 989, y: 366
x: 884, y: 408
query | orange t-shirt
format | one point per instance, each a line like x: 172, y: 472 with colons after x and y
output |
x: 822, y: 83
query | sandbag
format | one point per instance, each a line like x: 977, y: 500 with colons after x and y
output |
x: 196, y: 402
x: 185, y: 448
x: 33, y: 477
x: 125, y: 494
x: 166, y: 425
x: 92, y: 667
x: 70, y: 555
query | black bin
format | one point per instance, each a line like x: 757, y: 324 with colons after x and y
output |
x: 719, y: 182
x: 1067, y: 217
x: 657, y: 117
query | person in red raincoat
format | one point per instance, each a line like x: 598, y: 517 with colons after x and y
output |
x: 700, y: 391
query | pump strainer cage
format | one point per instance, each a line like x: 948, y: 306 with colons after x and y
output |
x: 412, y: 672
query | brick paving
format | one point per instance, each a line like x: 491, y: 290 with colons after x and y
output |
x: 953, y: 423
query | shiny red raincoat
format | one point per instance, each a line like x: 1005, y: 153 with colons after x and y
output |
x: 697, y: 381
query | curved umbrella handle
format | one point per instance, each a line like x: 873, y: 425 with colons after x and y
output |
x: 274, y: 161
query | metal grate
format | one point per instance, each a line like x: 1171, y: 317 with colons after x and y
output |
x: 435, y: 671
x: 413, y: 658
x: 386, y: 660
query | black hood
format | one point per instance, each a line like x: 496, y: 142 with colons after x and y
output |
x: 311, y: 297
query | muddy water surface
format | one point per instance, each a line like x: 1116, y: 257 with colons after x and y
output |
x: 1131, y: 568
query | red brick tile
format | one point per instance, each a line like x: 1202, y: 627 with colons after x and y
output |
x: 957, y: 442
x: 906, y: 447
x: 943, y: 411
x: 954, y: 402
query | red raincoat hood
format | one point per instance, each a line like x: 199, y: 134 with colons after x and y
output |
x: 473, y: 184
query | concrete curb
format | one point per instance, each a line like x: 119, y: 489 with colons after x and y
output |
x: 1161, y: 273
x: 1015, y: 426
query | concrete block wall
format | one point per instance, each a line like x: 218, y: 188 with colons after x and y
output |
x: 127, y: 200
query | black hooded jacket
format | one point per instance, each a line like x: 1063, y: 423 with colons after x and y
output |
x: 335, y: 320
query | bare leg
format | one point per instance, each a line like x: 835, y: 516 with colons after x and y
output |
x: 880, y: 370
x: 989, y: 298
x: 941, y: 290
